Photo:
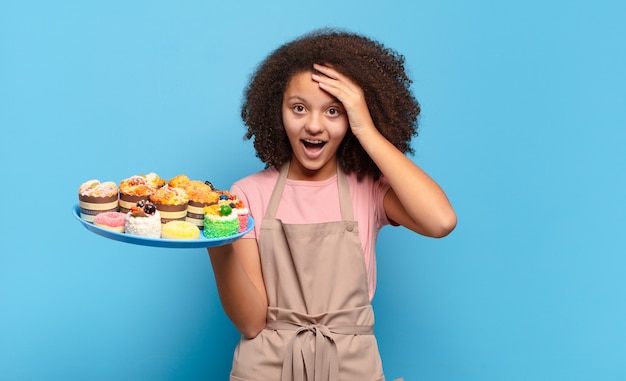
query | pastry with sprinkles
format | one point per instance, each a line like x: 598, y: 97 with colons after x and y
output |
x: 171, y: 202
x: 137, y: 188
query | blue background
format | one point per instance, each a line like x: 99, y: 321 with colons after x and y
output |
x: 523, y: 124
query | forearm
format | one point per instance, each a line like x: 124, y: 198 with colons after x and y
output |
x: 241, y: 295
x: 415, y: 200
x: 421, y: 198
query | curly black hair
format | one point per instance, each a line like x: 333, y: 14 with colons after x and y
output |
x: 377, y: 69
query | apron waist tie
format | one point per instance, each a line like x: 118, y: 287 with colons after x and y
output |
x: 314, y: 356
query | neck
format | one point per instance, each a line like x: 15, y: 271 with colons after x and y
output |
x: 298, y: 172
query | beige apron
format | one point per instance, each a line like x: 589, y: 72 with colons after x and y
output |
x: 320, y: 319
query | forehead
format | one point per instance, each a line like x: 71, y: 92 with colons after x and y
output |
x: 299, y: 79
x: 303, y: 87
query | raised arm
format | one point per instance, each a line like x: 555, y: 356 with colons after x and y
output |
x: 415, y: 200
x: 237, y: 269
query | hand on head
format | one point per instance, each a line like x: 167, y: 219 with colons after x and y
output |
x: 349, y: 93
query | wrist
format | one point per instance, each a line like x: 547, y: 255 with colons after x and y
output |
x: 367, y: 135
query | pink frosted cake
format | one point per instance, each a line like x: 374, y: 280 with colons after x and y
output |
x: 114, y: 221
x: 242, y: 214
x: 95, y: 197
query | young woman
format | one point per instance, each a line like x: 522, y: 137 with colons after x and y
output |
x: 331, y: 115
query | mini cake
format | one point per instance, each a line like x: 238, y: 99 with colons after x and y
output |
x: 237, y: 206
x: 95, y: 197
x: 111, y: 220
x: 143, y: 220
x: 201, y: 195
x: 225, y: 195
x: 180, y: 181
x: 242, y: 214
x: 220, y: 221
x: 137, y: 188
x: 180, y: 230
x: 171, y: 202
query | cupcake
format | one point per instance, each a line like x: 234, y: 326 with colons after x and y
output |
x: 220, y: 221
x: 137, y: 188
x: 201, y: 195
x: 171, y: 203
x: 180, y: 181
x: 95, y: 197
x: 144, y: 220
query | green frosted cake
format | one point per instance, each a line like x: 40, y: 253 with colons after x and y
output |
x: 220, y: 221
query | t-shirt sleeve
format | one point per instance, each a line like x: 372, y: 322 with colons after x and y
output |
x: 254, y: 191
x: 379, y: 190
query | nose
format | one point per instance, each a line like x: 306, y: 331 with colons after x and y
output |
x: 315, y: 123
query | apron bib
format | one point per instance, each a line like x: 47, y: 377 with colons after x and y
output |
x: 320, y: 320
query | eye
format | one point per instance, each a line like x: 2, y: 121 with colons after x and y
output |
x: 334, y: 111
x: 298, y: 109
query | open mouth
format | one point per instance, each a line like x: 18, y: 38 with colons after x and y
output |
x: 313, y: 144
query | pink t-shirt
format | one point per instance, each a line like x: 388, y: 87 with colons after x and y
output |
x: 306, y: 202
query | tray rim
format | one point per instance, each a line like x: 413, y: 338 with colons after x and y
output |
x: 201, y: 242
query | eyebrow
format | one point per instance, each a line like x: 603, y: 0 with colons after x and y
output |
x: 332, y: 102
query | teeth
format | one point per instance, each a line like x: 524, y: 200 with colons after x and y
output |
x: 313, y: 141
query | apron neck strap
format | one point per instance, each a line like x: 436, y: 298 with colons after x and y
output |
x: 345, y: 201
x: 272, y: 207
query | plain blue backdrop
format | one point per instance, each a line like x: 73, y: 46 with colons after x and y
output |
x: 523, y: 124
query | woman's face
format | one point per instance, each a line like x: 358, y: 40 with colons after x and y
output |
x: 315, y: 123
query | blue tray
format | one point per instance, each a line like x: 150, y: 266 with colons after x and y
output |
x: 161, y: 242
